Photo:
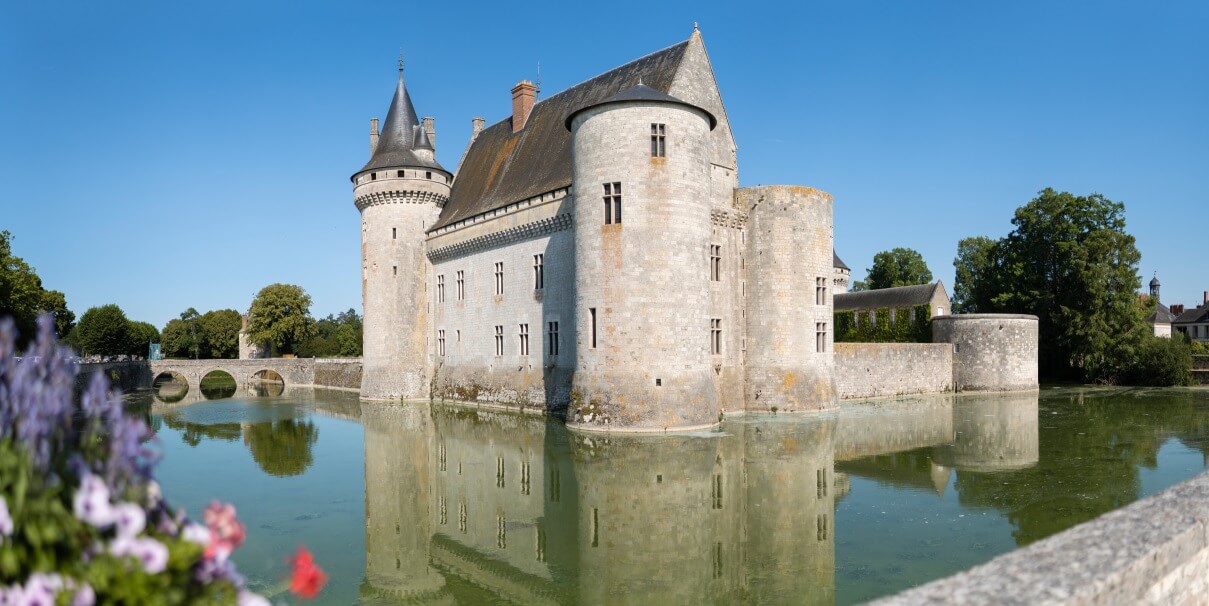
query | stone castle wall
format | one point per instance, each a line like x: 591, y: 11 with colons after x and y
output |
x: 874, y: 370
x: 991, y: 352
x: 789, y: 248
x: 470, y: 370
x: 647, y: 277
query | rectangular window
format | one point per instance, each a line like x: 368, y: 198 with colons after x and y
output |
x: 499, y: 278
x: 715, y: 262
x: 524, y: 339
x: 552, y: 337
x: 592, y: 328
x: 658, y: 140
x: 612, y: 202
x: 394, y: 270
x: 820, y: 291
x: 441, y: 288
x: 399, y: 174
x: 539, y: 272
x: 461, y: 286
x: 499, y: 340
x: 440, y: 343
x: 820, y: 336
x: 394, y: 233
x: 715, y: 336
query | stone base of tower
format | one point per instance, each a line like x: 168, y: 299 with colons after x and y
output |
x: 648, y: 400
x: 394, y: 382
x: 786, y: 389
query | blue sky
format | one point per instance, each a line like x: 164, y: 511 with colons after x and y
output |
x: 168, y: 155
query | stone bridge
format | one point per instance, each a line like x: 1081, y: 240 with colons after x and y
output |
x: 293, y: 371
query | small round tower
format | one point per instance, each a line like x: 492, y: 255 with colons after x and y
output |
x: 991, y: 352
x: 400, y: 193
x: 640, y: 174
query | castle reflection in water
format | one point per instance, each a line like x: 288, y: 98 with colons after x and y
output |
x: 463, y: 503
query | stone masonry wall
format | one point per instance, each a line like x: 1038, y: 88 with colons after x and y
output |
x: 338, y: 373
x: 991, y: 352
x: 789, y: 249
x: 873, y: 370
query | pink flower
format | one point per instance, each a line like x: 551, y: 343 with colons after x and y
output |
x: 6, y: 520
x: 307, y: 578
x: 130, y: 519
x: 226, y: 531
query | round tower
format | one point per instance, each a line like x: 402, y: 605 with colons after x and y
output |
x: 400, y: 193
x: 640, y: 174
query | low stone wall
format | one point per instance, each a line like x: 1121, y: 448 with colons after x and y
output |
x: 873, y: 370
x: 122, y: 375
x: 1154, y: 551
x: 338, y: 373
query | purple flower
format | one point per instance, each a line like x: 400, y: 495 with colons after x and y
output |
x: 12, y: 595
x: 130, y: 519
x: 196, y: 533
x: 152, y: 554
x: 84, y: 596
x: 6, y: 520
x: 91, y: 502
x: 40, y: 589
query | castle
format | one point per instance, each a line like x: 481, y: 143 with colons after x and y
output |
x: 594, y: 252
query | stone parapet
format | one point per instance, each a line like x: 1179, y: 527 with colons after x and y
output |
x: 875, y: 370
x: 1154, y: 551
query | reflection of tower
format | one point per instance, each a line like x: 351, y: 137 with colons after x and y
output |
x: 993, y: 433
x: 790, y: 512
x: 398, y: 502
x: 659, y: 519
x: 399, y: 192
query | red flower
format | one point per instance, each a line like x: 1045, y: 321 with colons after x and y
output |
x: 226, y: 531
x: 307, y: 578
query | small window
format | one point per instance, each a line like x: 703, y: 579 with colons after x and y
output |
x: 499, y: 340
x: 940, y: 311
x: 441, y: 288
x: 373, y: 176
x: 394, y: 270
x: 715, y: 336
x: 539, y: 272
x: 394, y: 233
x: 440, y: 343
x: 820, y: 291
x: 461, y: 286
x: 612, y: 203
x: 715, y: 262
x: 820, y: 336
x: 399, y: 174
x: 592, y: 328
x: 524, y: 339
x: 552, y: 338
x: 658, y: 140
x: 428, y: 174
x: 499, y: 278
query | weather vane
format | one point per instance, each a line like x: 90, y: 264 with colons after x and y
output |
x: 400, y: 60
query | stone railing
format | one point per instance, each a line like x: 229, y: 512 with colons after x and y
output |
x: 1153, y: 551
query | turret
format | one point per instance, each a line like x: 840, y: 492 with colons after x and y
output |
x: 400, y: 193
x: 640, y: 174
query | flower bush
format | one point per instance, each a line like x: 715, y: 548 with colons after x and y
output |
x: 82, y: 520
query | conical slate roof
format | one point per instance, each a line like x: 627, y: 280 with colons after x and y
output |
x: 1154, y: 282
x: 401, y: 135
x: 836, y: 262
x: 641, y: 92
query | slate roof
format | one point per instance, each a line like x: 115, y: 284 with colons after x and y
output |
x: 1196, y: 314
x: 502, y: 167
x: 901, y: 296
x: 401, y: 135
x: 837, y: 263
x: 1161, y: 315
x: 641, y: 93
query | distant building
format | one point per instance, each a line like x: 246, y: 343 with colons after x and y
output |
x: 1194, y: 322
x: 1162, y: 317
x: 901, y: 297
x: 839, y: 282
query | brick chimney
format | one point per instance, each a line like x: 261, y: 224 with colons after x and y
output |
x: 1206, y: 295
x: 523, y: 95
x: 1177, y: 309
x: 430, y: 128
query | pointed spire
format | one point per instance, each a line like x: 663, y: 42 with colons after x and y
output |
x: 398, y: 138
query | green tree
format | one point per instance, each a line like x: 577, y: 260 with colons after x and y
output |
x: 219, y: 332
x: 141, y: 334
x: 898, y: 267
x: 281, y: 316
x: 336, y: 336
x: 23, y: 298
x: 1070, y: 262
x: 176, y: 341
x: 104, y: 331
x: 974, y: 283
x: 55, y: 303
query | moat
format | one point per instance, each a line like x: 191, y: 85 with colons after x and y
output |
x: 426, y: 503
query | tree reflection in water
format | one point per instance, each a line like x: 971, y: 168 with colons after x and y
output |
x: 282, y: 448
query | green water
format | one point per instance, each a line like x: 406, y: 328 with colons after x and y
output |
x: 450, y: 505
